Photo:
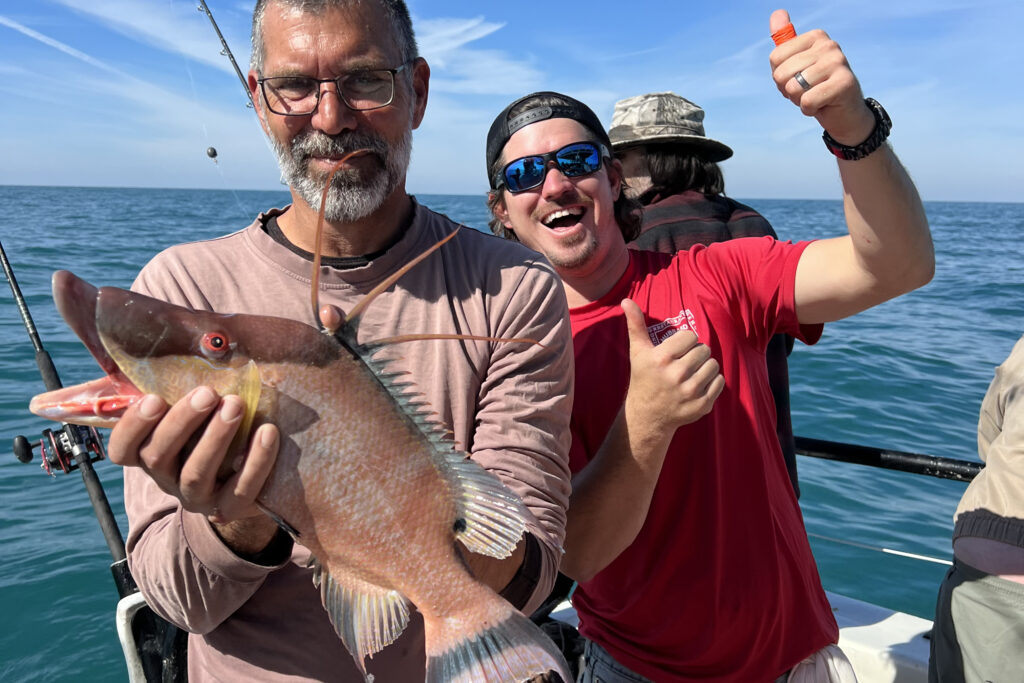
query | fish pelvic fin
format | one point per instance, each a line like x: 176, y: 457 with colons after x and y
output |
x: 366, y: 617
x: 514, y: 649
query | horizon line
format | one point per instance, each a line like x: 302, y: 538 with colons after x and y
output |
x: 482, y: 195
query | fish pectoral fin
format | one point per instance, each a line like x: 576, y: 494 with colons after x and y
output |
x: 367, y: 617
x: 249, y: 389
x: 490, y: 518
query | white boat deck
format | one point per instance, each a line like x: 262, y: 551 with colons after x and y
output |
x: 884, y: 646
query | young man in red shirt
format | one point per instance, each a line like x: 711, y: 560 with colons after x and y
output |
x: 683, y: 532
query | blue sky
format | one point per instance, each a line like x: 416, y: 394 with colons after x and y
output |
x: 132, y: 92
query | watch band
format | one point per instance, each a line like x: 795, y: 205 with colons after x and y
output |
x: 883, y: 124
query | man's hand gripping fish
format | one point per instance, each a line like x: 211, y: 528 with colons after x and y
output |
x: 365, y: 478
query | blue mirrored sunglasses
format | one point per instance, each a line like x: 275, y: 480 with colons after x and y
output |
x: 577, y: 159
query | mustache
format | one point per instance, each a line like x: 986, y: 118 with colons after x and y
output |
x: 317, y: 143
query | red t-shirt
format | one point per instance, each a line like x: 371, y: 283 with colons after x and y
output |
x: 720, y: 583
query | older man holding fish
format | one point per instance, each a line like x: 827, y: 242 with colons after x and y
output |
x: 340, y: 87
x: 684, y: 532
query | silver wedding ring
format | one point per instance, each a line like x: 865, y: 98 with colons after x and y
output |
x: 799, y: 78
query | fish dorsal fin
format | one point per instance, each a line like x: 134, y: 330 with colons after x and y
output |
x: 357, y: 310
x: 351, y: 321
x: 490, y: 519
x: 318, y: 236
x: 367, y: 617
x: 402, y: 339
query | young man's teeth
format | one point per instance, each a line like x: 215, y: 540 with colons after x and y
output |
x: 556, y: 215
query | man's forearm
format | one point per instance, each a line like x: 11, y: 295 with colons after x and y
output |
x: 887, y: 222
x: 611, y: 496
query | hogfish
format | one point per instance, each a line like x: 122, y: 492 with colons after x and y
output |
x: 366, y: 478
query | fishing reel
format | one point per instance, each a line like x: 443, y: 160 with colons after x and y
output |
x: 61, y: 449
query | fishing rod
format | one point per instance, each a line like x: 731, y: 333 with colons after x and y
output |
x: 71, y: 447
x: 916, y: 463
x: 226, y: 51
x: 159, y: 645
x: 880, y: 549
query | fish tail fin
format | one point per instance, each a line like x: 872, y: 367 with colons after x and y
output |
x: 509, y: 649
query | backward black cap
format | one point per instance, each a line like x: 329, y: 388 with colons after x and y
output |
x: 504, y: 127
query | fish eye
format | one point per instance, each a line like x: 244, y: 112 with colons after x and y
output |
x: 215, y: 344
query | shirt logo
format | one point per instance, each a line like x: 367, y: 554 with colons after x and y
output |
x: 682, y: 321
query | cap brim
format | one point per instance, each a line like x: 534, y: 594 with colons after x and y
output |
x: 712, y: 149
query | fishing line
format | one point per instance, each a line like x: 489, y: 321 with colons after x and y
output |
x: 244, y: 213
x: 880, y: 549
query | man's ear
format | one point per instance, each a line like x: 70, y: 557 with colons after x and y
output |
x: 615, y: 176
x: 257, y: 101
x: 496, y: 199
x: 420, y: 89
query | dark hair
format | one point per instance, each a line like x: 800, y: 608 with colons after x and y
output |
x: 627, y: 209
x: 676, y: 168
x: 395, y: 10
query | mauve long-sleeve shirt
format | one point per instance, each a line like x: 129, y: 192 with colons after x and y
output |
x: 508, y: 405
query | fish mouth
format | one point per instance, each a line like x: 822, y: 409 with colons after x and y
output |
x: 99, y: 402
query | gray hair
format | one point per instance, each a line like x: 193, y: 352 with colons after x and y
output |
x: 395, y: 10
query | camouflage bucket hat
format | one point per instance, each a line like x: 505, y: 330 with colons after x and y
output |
x: 659, y: 118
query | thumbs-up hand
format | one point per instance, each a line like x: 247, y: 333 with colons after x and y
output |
x: 671, y: 384
x: 811, y: 71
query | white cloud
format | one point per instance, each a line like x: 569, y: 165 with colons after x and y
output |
x: 440, y: 38
x: 176, y: 28
x: 457, y: 69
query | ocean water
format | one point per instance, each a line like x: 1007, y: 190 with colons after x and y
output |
x: 906, y: 375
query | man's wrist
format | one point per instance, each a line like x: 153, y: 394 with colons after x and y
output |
x: 276, y: 552
x: 253, y: 537
x: 875, y: 139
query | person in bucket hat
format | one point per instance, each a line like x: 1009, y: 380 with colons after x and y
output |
x: 683, y: 533
x: 671, y: 166
x: 663, y: 117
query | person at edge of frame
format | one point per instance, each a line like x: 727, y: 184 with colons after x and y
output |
x: 684, y: 533
x: 671, y: 167
x: 204, y: 555
x: 978, y: 632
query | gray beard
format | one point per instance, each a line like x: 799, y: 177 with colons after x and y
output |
x: 351, y: 197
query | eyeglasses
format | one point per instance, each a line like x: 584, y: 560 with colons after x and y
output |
x: 359, y: 90
x: 526, y: 173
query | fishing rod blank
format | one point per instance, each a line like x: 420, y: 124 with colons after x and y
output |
x: 70, y: 447
x: 916, y: 463
x: 160, y: 646
x: 226, y: 51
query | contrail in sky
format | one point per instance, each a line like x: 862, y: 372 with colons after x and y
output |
x: 57, y: 45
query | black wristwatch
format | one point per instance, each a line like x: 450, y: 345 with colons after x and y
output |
x: 883, y: 124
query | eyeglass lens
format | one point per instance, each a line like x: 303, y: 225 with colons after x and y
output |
x: 360, y: 90
x: 573, y: 160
